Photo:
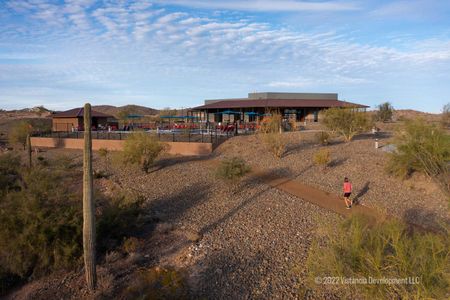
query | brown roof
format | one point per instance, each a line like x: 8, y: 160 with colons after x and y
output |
x: 79, y: 112
x: 278, y: 103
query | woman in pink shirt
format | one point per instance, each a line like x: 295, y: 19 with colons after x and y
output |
x: 347, y: 193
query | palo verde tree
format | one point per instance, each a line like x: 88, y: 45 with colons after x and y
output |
x: 421, y: 147
x: 271, y: 132
x: 142, y: 149
x: 18, y: 133
x: 385, y: 112
x: 445, y: 120
x: 346, y: 122
x: 88, y: 203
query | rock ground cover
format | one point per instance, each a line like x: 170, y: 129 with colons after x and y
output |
x: 417, y: 199
x: 243, y: 240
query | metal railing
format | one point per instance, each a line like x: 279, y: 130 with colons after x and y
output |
x: 215, y: 136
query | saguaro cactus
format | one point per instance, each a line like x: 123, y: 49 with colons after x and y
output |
x: 88, y: 203
x: 28, y: 147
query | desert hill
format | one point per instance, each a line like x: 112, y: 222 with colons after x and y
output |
x: 131, y: 109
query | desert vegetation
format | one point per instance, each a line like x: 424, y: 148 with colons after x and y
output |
x: 271, y: 134
x: 346, y: 122
x: 232, y: 168
x: 19, y: 132
x: 421, y: 147
x: 362, y: 249
x: 323, y: 138
x: 445, y: 119
x: 322, y: 158
x: 385, y: 112
x: 41, y: 217
x: 142, y: 149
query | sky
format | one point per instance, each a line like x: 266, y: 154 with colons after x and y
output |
x: 176, y: 53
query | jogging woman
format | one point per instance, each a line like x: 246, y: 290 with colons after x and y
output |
x: 347, y: 193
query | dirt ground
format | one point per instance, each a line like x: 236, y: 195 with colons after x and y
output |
x: 241, y: 240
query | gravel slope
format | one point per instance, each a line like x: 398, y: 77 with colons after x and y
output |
x: 417, y: 199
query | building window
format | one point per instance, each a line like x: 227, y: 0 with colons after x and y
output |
x: 316, y: 115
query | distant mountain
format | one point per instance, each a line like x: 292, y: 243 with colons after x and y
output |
x: 414, y: 114
x: 37, y: 109
x: 130, y: 109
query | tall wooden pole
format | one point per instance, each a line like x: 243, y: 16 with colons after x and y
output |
x: 88, y: 204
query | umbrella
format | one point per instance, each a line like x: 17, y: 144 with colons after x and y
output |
x: 169, y: 117
x: 228, y: 112
x: 252, y: 113
x: 134, y: 116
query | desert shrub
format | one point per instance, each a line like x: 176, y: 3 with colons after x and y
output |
x: 41, y: 219
x: 157, y: 283
x: 63, y: 162
x: 41, y: 225
x: 270, y: 132
x: 276, y: 143
x: 232, y: 169
x: 384, y: 112
x: 142, y: 149
x: 322, y: 138
x: 421, y: 147
x: 293, y: 124
x: 118, y: 218
x: 360, y: 248
x: 347, y: 122
x: 131, y: 245
x: 18, y: 133
x: 322, y: 157
x: 9, y: 172
x: 445, y: 119
x: 104, y: 154
x: 271, y: 124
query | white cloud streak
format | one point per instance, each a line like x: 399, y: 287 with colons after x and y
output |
x: 266, y: 5
x: 128, y: 46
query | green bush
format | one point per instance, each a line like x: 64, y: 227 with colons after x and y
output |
x: 18, y: 133
x: 423, y: 148
x: 347, y: 122
x: 445, y: 119
x: 384, y: 112
x: 41, y: 219
x: 363, y: 249
x: 41, y: 225
x: 9, y: 173
x: 232, y: 169
x: 142, y: 149
x: 118, y: 218
x: 322, y: 138
x: 157, y: 283
x: 276, y: 143
x: 322, y: 157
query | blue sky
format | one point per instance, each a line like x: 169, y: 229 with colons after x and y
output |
x: 176, y: 53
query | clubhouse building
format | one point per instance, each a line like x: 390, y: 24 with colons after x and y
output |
x: 303, y: 107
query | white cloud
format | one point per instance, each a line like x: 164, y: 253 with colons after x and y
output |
x: 265, y: 5
x: 126, y: 46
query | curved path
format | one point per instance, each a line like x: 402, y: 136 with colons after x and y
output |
x: 312, y: 194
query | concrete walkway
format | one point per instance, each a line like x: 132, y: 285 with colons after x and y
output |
x: 313, y: 195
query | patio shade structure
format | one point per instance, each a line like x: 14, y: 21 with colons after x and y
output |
x: 228, y: 112
x: 179, y: 117
x: 134, y: 116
